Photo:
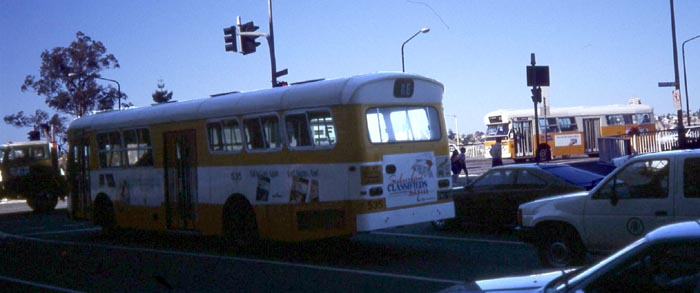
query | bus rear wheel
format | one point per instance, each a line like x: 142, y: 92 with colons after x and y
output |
x: 544, y: 153
x: 240, y: 225
x: 103, y: 214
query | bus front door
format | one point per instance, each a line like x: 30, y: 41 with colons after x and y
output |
x: 591, y: 133
x: 522, y: 138
x: 80, y: 175
x: 181, y: 179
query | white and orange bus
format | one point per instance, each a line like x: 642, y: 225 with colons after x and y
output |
x: 307, y: 161
x: 563, y: 131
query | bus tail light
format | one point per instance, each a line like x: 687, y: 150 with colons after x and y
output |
x: 376, y: 191
x: 371, y: 175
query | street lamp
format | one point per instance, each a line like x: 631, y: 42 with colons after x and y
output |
x: 119, y: 88
x: 423, y: 30
x: 685, y: 80
x: 456, y: 128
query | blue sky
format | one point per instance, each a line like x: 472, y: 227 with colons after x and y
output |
x: 600, y: 52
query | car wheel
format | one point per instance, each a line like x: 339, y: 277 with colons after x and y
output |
x: 560, y: 247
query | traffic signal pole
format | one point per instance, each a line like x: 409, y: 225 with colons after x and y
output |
x: 247, y: 32
x: 536, y: 96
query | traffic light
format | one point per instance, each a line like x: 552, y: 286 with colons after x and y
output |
x: 537, y: 95
x: 248, y: 43
x: 230, y: 39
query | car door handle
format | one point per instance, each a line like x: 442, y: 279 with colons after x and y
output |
x: 661, y: 213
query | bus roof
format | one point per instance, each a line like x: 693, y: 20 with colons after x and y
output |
x: 321, y: 93
x: 24, y: 143
x: 508, y: 114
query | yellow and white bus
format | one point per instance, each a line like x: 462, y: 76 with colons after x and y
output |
x: 563, y: 131
x: 307, y: 161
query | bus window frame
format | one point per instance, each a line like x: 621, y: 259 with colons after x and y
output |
x: 220, y: 123
x: 312, y: 140
x: 265, y: 148
x: 101, y: 151
x: 148, y: 149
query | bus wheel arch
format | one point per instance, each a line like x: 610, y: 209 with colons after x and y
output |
x: 239, y: 224
x: 103, y: 213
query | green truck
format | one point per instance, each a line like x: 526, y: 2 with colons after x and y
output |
x: 30, y: 170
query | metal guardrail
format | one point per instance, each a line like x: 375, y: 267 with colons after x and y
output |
x: 646, y: 142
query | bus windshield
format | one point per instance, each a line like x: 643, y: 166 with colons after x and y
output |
x: 499, y: 129
x: 399, y: 124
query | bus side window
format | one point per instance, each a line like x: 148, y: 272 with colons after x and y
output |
x: 297, y: 130
x: 323, y: 128
x: 271, y: 131
x: 254, y: 136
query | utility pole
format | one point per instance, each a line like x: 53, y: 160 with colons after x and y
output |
x: 681, y: 130
x: 537, y: 76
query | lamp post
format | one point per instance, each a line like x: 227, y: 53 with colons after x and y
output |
x: 456, y: 128
x: 423, y: 30
x: 685, y: 79
x: 119, y: 87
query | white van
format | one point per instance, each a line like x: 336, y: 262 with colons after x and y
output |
x: 646, y: 192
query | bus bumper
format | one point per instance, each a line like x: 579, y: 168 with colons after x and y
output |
x: 405, y: 216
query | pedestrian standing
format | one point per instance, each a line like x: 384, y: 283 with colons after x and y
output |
x: 463, y: 162
x: 496, y: 153
x: 455, y: 166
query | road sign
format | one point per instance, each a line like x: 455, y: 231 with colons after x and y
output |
x: 537, y: 75
x: 667, y: 84
x: 677, y: 100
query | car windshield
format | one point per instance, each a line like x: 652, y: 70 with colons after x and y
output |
x: 573, y: 175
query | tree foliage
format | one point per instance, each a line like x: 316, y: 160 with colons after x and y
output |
x: 68, y: 78
x: 161, y: 95
x: 68, y: 82
x: 40, y: 121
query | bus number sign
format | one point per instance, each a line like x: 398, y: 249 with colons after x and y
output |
x: 403, y: 88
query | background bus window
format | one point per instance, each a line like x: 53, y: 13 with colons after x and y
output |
x: 549, y: 125
x: 567, y: 124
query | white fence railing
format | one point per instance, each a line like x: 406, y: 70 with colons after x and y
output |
x: 647, y: 142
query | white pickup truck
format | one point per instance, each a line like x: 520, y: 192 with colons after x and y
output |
x: 646, y: 192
